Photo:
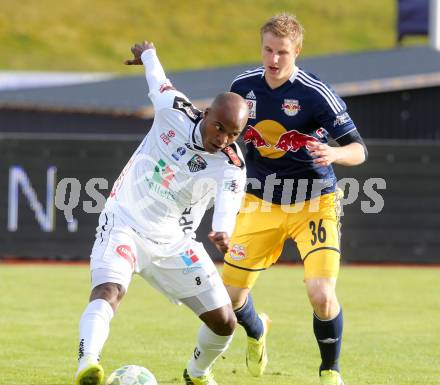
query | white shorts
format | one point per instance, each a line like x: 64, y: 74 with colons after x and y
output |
x: 189, y: 277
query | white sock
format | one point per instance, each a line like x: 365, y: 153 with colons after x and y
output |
x: 209, y: 347
x: 94, y: 328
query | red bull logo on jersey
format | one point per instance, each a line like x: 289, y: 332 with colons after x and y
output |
x: 291, y: 107
x: 189, y: 257
x: 125, y: 252
x: 253, y: 136
x: 237, y: 252
x: 272, y: 140
x: 293, y: 141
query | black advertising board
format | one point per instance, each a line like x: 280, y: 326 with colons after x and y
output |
x: 393, y: 217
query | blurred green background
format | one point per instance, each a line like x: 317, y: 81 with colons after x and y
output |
x: 80, y: 35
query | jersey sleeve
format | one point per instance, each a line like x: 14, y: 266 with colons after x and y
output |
x: 234, y: 87
x: 229, y: 194
x: 331, y: 113
x: 161, y: 91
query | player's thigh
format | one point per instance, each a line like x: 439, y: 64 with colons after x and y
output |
x: 255, y: 245
x: 318, y: 239
x: 115, y: 253
x: 189, y: 277
x: 213, y: 302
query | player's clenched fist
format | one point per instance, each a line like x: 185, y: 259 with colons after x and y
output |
x: 137, y: 50
x: 220, y: 240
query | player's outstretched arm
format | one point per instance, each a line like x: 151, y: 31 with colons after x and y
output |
x: 145, y: 54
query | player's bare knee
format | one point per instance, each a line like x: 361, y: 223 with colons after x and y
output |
x: 111, y: 292
x: 221, y: 321
x: 225, y: 324
x: 322, y: 303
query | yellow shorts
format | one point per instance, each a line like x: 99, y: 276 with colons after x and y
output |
x: 262, y: 228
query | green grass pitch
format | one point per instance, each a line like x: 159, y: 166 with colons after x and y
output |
x: 392, y: 332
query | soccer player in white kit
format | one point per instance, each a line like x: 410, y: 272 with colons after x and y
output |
x: 186, y: 161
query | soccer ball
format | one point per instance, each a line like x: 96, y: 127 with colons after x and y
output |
x: 131, y: 375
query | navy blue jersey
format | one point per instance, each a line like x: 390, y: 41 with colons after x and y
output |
x: 281, y: 122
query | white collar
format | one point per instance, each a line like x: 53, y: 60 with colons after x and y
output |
x: 292, y: 77
x: 294, y: 74
x: 197, y: 136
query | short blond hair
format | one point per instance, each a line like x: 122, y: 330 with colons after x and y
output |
x: 284, y: 25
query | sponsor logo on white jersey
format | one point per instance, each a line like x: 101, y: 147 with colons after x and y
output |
x: 160, y: 181
x: 166, y: 136
x: 231, y: 185
x: 186, y: 107
x: 125, y: 252
x: 196, y: 163
x: 178, y: 153
x: 191, y: 269
x: 185, y: 221
x: 189, y: 257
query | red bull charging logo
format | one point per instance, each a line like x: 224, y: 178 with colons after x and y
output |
x: 293, y: 141
x: 276, y: 140
x: 253, y: 136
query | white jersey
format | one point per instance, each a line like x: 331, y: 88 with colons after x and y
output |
x: 170, y: 181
